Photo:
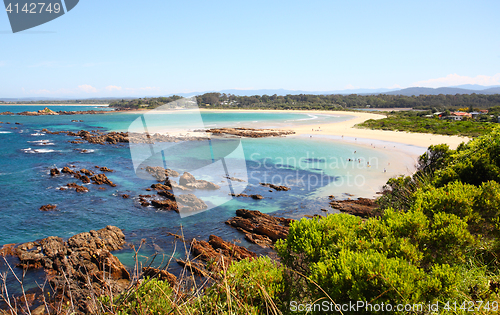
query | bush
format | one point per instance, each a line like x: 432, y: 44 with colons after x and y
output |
x: 400, y: 257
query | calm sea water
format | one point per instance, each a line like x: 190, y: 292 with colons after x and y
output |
x: 309, y: 165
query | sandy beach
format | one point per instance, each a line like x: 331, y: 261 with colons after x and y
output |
x: 347, y: 129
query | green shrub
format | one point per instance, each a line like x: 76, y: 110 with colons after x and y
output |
x: 400, y: 257
x: 153, y: 296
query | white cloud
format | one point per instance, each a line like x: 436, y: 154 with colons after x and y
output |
x: 113, y: 87
x: 350, y: 87
x: 395, y: 86
x: 455, y: 79
x: 87, y: 88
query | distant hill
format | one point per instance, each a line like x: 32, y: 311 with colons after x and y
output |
x: 443, y: 90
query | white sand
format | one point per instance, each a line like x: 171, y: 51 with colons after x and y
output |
x: 347, y: 129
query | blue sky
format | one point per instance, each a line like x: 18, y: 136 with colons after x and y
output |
x: 140, y: 48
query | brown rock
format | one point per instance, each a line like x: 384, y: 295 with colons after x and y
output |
x: 161, y: 174
x: 86, y: 172
x: 229, y: 249
x: 258, y: 197
x: 276, y: 187
x: 188, y: 180
x: 160, y: 274
x: 48, y: 208
x: 54, y: 172
x: 8, y: 250
x: 362, y: 207
x: 165, y: 205
x: 77, y: 187
x: 67, y: 170
x: 101, y: 179
x: 260, y: 228
x: 85, y: 179
x: 190, y: 203
x: 250, y: 132
x: 81, y: 266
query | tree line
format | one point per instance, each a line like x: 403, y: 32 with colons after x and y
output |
x: 324, y: 102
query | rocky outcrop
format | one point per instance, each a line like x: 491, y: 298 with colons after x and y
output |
x: 48, y: 208
x: 250, y: 132
x: 104, y: 169
x: 41, y: 112
x: 189, y: 181
x: 54, y: 172
x: 80, y: 267
x: 161, y: 174
x: 67, y: 170
x: 78, y: 188
x: 190, y: 203
x: 99, y: 137
x: 101, y: 179
x: 260, y: 228
x: 86, y: 172
x: 276, y: 187
x: 164, y: 205
x: 97, y: 179
x: 362, y: 207
x: 214, y: 252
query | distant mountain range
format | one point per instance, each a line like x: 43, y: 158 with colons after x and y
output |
x: 459, y: 89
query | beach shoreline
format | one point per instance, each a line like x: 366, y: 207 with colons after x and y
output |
x: 347, y: 128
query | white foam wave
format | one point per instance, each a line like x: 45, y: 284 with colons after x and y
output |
x: 311, y: 117
x: 5, y: 131
x: 29, y: 150
x: 38, y: 134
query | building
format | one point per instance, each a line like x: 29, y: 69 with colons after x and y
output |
x: 460, y: 115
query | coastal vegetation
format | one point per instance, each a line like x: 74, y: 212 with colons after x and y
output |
x: 418, y: 121
x: 323, y: 102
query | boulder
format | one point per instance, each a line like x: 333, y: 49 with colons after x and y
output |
x: 190, y: 203
x: 48, y: 208
x: 54, y: 172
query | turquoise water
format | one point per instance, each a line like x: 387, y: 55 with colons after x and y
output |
x: 308, y: 166
x: 56, y: 108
